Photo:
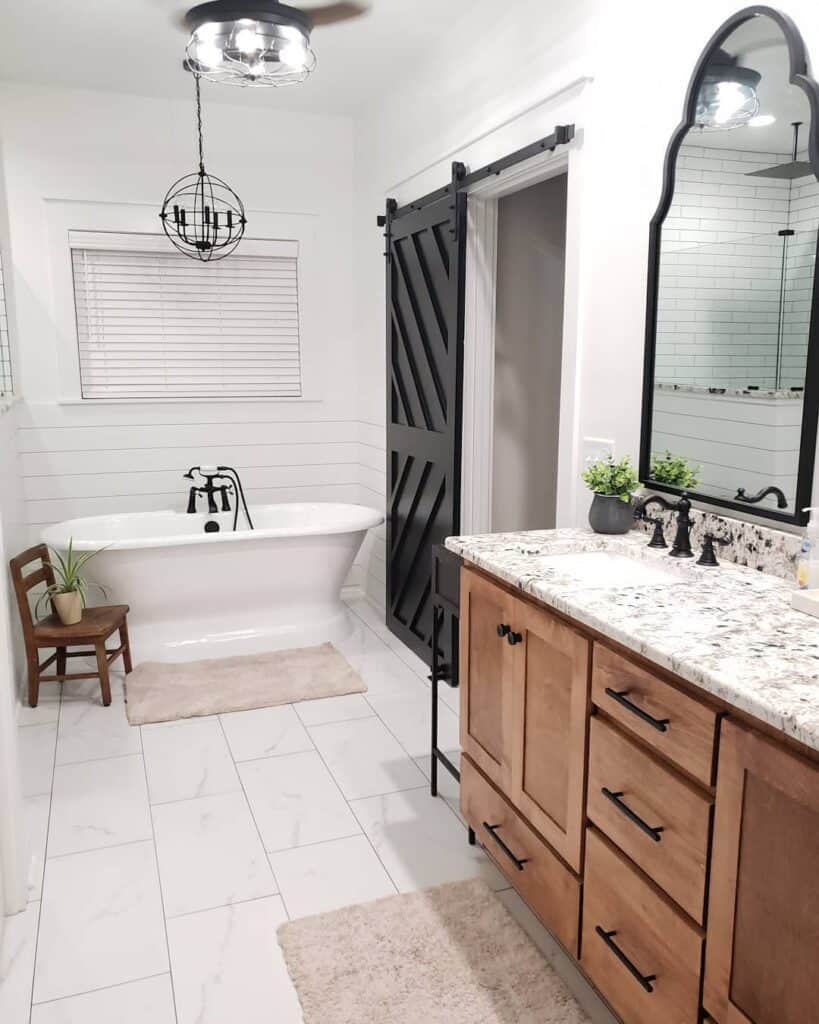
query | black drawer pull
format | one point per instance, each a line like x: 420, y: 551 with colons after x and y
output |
x: 513, y: 638
x: 645, y: 980
x: 503, y: 629
x: 616, y: 799
x: 621, y: 696
x: 492, y: 830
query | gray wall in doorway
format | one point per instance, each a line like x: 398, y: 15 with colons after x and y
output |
x: 528, y: 345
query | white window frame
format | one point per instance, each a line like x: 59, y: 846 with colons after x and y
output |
x: 65, y: 219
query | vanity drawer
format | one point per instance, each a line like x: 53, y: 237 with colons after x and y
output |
x: 657, y: 817
x: 678, y: 726
x: 638, y: 950
x: 550, y: 889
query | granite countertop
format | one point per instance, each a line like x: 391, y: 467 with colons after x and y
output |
x: 729, y: 630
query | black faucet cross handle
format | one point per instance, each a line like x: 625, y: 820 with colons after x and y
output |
x: 708, y: 556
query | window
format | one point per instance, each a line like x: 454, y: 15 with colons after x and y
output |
x: 156, y: 324
x: 6, y: 379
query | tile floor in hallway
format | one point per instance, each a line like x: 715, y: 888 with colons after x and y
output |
x: 167, y: 855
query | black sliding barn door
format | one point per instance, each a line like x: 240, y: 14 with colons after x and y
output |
x: 425, y: 268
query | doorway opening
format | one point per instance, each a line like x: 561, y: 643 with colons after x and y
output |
x: 520, y: 349
x: 530, y: 276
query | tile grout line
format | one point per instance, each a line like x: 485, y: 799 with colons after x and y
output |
x: 158, y: 876
x: 45, y: 856
x: 104, y: 988
x: 253, y: 816
x: 362, y: 832
x: 426, y: 754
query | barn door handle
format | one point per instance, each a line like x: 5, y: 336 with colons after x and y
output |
x: 493, y: 831
x: 645, y: 980
x: 623, y: 808
x: 503, y: 629
x: 621, y: 696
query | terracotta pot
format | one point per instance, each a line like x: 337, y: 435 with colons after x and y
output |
x: 68, y: 607
x: 608, y: 514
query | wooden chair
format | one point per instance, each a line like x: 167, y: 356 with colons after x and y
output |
x: 96, y: 626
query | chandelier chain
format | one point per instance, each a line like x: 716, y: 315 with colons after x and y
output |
x: 199, y: 124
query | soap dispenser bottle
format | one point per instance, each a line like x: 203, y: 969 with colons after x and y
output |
x: 807, y: 563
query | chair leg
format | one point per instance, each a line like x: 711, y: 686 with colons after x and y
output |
x: 33, y: 678
x: 102, y: 668
x: 62, y: 661
x: 125, y: 642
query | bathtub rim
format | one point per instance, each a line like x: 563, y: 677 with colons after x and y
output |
x: 58, y: 534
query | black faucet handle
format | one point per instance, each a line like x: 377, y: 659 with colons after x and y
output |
x: 708, y: 556
x: 658, y: 536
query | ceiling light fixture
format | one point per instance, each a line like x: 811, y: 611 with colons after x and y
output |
x: 727, y: 97
x: 257, y: 42
x: 201, y: 215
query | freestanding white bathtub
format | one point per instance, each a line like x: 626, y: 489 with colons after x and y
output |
x: 207, y: 595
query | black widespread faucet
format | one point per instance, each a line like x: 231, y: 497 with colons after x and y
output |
x: 681, y: 548
x: 752, y: 499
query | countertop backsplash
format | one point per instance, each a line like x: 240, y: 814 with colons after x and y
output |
x: 758, y: 547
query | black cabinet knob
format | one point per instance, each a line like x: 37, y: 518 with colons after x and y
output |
x: 503, y: 629
x: 513, y: 638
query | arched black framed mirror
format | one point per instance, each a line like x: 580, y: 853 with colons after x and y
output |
x: 731, y: 378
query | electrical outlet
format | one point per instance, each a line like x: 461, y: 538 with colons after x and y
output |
x: 595, y: 448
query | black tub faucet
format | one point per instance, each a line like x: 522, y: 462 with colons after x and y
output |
x: 681, y: 548
x: 753, y: 499
x: 210, y: 490
x: 232, y: 485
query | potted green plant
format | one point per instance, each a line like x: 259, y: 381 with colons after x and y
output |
x: 675, y: 470
x: 67, y: 595
x: 613, y: 484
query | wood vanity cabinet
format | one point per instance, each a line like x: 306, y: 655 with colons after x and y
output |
x: 762, y: 953
x: 524, y: 702
x: 692, y: 837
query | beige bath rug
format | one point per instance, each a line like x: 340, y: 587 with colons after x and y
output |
x: 160, y: 692
x: 452, y: 955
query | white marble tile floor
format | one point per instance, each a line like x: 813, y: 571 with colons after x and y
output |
x: 164, y: 857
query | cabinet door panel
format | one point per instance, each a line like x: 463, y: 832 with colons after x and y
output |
x: 763, y: 929
x: 552, y: 695
x: 486, y: 676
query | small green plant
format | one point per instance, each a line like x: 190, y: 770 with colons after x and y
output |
x: 615, y: 479
x: 68, y: 578
x: 675, y: 470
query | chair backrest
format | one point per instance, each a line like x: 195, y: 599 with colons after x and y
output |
x: 24, y: 582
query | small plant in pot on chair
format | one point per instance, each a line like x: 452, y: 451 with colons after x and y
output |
x: 613, y: 484
x: 69, y: 592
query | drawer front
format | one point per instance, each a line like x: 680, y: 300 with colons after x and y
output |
x: 659, y: 819
x: 640, y: 953
x: 676, y: 725
x: 550, y: 889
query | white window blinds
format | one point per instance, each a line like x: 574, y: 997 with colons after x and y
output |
x: 156, y: 324
x: 6, y: 379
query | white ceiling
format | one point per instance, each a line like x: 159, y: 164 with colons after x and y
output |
x: 137, y: 46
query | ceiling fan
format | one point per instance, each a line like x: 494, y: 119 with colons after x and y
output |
x: 258, y: 42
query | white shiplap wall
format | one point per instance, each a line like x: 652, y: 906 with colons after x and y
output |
x: 78, y: 459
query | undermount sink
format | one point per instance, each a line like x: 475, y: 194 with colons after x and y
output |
x: 604, y: 569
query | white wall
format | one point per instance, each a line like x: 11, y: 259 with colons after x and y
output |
x: 89, y: 147
x: 464, y: 104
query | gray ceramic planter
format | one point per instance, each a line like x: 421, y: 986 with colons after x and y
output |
x: 608, y: 514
